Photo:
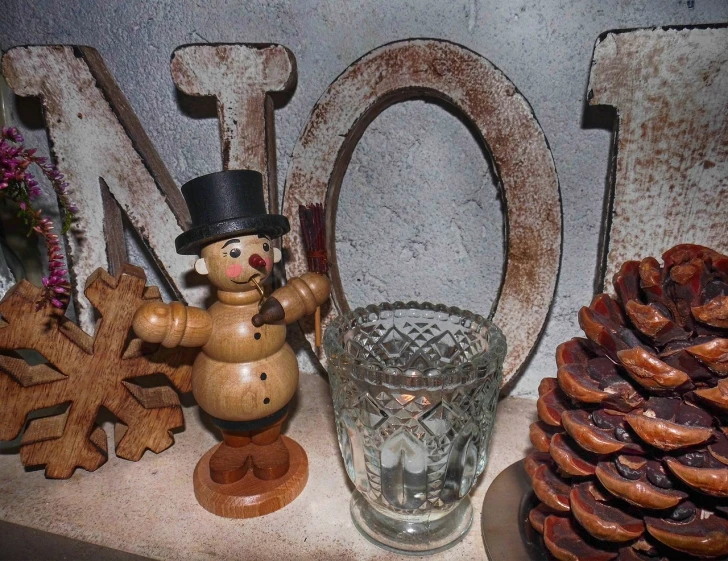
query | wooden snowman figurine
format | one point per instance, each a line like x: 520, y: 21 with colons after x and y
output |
x: 246, y: 374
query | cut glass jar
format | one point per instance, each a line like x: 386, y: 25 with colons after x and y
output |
x: 415, y: 388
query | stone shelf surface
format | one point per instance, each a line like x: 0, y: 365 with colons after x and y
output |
x: 147, y: 509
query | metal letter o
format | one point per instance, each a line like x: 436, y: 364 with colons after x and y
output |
x: 521, y: 156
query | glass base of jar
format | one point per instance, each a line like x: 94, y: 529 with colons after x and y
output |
x: 411, y: 535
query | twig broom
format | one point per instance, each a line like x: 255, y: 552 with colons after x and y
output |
x: 314, y: 240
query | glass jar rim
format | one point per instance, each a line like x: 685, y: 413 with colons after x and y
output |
x: 375, y: 372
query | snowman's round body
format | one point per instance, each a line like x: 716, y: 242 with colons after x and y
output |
x: 243, y: 372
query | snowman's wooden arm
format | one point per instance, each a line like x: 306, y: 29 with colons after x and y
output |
x: 300, y: 297
x: 172, y: 325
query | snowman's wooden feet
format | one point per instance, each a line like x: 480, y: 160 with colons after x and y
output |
x: 270, y: 461
x: 230, y: 464
x: 252, y: 496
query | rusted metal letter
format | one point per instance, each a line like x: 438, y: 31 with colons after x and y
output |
x: 240, y: 77
x: 522, y: 159
x: 670, y: 182
x: 101, y: 147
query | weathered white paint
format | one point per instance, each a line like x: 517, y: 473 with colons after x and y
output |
x: 472, y: 85
x: 670, y: 90
x: 240, y: 77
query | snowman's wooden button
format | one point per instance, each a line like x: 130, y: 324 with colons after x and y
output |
x: 266, y: 401
x: 263, y: 376
x: 257, y: 336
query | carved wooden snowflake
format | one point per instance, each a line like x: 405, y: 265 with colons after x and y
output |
x: 87, y: 373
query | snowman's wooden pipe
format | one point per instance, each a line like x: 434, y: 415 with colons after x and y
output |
x: 300, y: 297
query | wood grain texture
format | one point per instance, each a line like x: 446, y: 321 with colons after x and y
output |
x: 244, y: 372
x: 116, y: 253
x: 262, y: 450
x: 521, y: 156
x: 670, y: 183
x: 172, y: 324
x: 95, y: 134
x: 87, y: 373
x: 240, y: 77
x: 301, y: 296
x: 250, y: 497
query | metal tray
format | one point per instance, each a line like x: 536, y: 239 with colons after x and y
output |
x: 507, y: 534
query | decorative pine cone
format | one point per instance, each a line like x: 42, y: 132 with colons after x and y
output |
x: 632, y: 441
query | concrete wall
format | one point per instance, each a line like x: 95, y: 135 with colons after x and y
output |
x: 420, y: 216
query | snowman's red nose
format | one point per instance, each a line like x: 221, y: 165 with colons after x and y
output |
x: 256, y: 261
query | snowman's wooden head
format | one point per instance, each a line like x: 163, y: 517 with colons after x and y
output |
x: 231, y: 264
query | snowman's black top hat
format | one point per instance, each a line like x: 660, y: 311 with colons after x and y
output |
x: 224, y: 204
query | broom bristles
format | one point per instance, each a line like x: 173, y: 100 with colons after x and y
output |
x: 314, y: 237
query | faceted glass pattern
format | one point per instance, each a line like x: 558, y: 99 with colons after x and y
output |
x: 415, y: 388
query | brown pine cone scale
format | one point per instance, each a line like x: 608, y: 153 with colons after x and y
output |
x: 712, y: 479
x: 564, y: 541
x: 601, y: 520
x: 540, y: 435
x: 671, y: 424
x: 632, y: 438
x: 702, y: 534
x: 639, y: 490
x: 565, y: 452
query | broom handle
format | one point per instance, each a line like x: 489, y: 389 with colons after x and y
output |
x: 317, y: 319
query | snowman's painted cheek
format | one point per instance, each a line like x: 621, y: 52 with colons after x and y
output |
x: 268, y: 263
x: 233, y: 271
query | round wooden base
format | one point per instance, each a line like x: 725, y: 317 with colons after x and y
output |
x: 251, y: 497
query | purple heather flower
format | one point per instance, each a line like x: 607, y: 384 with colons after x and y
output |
x: 19, y: 184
